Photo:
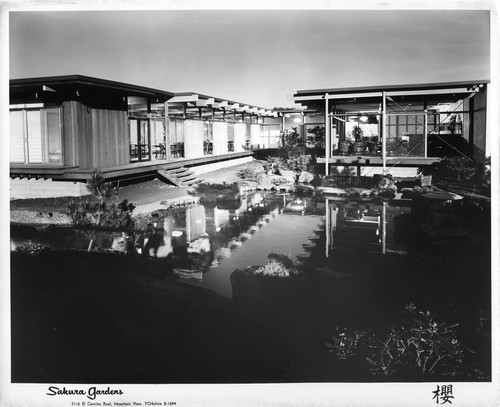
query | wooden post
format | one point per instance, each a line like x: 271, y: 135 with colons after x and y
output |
x: 425, y: 134
x: 328, y: 146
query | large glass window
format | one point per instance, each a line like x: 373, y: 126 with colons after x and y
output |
x: 405, y: 135
x: 137, y: 106
x: 139, y: 140
x: 230, y: 137
x: 158, y: 139
x: 208, y: 138
x: 177, y: 129
x: 17, y: 137
x: 35, y: 136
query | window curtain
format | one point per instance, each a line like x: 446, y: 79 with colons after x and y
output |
x: 193, y: 142
x: 220, y: 138
x: 239, y: 136
x: 255, y: 135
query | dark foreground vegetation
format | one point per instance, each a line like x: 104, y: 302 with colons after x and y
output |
x: 81, y: 317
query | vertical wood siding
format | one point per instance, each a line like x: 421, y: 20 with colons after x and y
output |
x: 109, y: 138
x: 83, y: 134
x: 70, y: 134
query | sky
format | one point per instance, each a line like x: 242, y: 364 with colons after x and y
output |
x: 257, y: 57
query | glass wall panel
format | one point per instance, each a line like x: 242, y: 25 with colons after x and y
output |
x: 158, y: 110
x: 405, y: 135
x: 208, y: 137
x: 35, y: 154
x: 144, y: 140
x: 176, y: 135
x: 35, y: 136
x: 134, y: 140
x: 137, y: 106
x: 158, y: 139
x: 230, y: 137
x: 53, y: 135
x: 16, y: 137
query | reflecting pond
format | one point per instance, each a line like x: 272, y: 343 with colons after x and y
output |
x: 204, y: 244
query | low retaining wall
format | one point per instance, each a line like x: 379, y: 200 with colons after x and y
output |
x: 202, y: 169
x: 40, y: 188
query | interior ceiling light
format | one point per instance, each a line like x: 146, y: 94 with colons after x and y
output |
x: 363, y: 118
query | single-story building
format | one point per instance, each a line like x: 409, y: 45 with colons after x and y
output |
x: 396, y: 129
x: 62, y: 128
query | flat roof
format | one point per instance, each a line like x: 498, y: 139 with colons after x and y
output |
x: 69, y: 82
x: 86, y: 81
x: 420, y: 86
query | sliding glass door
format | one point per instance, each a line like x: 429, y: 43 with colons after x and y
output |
x: 140, y: 141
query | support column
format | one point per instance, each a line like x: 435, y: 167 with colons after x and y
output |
x: 384, y: 134
x: 168, y: 154
x: 327, y: 228
x: 328, y: 147
x: 425, y: 135
x: 384, y: 226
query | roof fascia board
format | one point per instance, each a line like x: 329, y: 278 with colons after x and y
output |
x: 432, y: 92
x: 388, y: 88
x: 389, y: 93
x: 183, y: 99
x: 89, y: 81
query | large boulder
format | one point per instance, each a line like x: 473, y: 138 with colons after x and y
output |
x: 200, y: 245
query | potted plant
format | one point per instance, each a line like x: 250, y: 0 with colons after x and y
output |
x: 357, y: 133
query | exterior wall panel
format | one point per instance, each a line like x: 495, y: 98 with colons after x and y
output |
x: 109, y: 138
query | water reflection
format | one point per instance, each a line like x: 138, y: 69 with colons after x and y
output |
x: 227, y: 225
x: 356, y: 224
x: 208, y: 242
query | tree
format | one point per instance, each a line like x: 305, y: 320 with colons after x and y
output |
x: 317, y: 136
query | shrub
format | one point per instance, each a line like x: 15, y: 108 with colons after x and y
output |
x: 317, y: 136
x: 459, y: 167
x: 418, y: 347
x: 32, y: 249
x: 250, y: 174
x: 279, y: 265
x: 99, y: 212
x: 214, y: 192
x: 294, y: 143
x: 91, y: 213
x: 302, y: 161
x: 280, y: 162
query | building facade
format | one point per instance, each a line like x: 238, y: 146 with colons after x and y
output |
x: 63, y: 128
x: 398, y: 126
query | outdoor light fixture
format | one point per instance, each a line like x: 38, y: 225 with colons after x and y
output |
x: 176, y: 233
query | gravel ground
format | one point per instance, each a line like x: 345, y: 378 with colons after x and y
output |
x: 147, y: 196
